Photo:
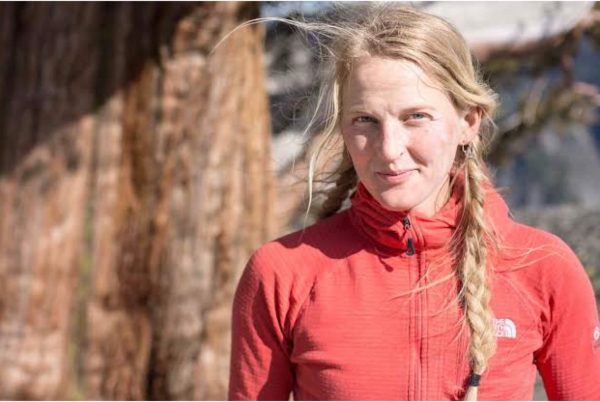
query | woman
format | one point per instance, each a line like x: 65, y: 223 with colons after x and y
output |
x: 424, y: 288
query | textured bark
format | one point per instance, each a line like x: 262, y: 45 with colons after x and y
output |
x: 219, y: 203
x: 134, y: 184
x: 46, y: 142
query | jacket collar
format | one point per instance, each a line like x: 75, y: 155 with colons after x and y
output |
x: 388, y: 230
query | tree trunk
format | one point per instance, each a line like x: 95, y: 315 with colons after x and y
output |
x: 134, y: 184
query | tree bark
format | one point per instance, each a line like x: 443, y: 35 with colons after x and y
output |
x: 134, y: 183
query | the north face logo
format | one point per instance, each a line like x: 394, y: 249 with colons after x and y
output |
x: 505, y: 328
x: 596, y: 337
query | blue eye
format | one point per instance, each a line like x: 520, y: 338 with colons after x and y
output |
x: 417, y: 116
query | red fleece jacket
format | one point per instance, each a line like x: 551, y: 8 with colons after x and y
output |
x: 332, y: 312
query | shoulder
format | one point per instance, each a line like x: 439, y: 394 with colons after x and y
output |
x: 518, y: 239
x: 539, y: 244
x: 544, y: 258
x: 281, y: 274
x: 547, y: 272
x: 300, y: 256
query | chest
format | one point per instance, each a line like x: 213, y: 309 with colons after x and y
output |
x: 394, y: 330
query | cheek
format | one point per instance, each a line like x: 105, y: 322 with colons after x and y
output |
x: 436, y: 145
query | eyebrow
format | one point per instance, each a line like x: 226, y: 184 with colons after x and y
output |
x: 361, y: 108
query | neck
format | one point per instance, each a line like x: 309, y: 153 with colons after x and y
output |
x: 443, y: 194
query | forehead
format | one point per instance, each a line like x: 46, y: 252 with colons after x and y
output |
x: 391, y: 79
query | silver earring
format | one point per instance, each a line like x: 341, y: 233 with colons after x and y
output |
x: 468, y: 151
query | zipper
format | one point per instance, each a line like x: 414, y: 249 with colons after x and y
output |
x: 419, y: 346
x: 419, y: 323
x: 410, y: 246
x: 422, y: 334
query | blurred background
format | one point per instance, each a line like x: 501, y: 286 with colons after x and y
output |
x: 140, y: 167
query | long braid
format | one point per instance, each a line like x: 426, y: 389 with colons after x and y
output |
x: 434, y: 45
x: 472, y: 269
x: 345, y: 182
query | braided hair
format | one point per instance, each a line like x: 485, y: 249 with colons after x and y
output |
x: 438, y: 48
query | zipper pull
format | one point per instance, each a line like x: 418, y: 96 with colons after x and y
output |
x: 410, y: 250
x: 411, y: 247
x: 406, y: 223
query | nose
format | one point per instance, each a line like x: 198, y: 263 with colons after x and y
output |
x: 394, y: 139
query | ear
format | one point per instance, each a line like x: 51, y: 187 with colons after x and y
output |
x: 470, y: 120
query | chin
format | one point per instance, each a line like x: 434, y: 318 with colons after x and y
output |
x: 394, y: 203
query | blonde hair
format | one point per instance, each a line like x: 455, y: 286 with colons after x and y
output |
x: 439, y: 49
x: 393, y: 31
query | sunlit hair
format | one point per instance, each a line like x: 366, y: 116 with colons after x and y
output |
x: 393, y: 31
x: 439, y: 49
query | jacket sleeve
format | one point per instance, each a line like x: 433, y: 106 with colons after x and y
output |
x: 569, y: 360
x: 260, y: 355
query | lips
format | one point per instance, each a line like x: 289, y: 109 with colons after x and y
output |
x: 396, y: 177
x: 396, y: 172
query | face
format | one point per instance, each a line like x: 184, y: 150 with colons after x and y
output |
x: 402, y: 132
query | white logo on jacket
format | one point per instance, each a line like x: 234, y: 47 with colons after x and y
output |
x: 505, y: 328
